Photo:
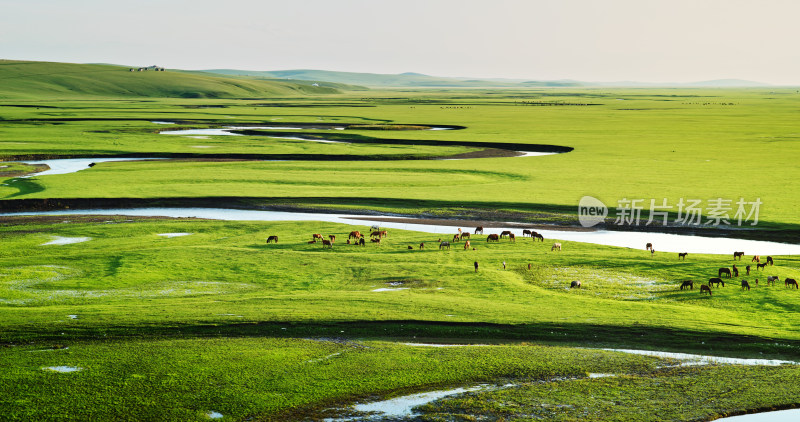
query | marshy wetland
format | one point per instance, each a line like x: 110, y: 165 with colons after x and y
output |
x: 113, y: 311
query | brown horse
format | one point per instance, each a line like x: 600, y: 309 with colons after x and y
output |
x: 466, y: 245
x: 748, y: 269
x: 756, y: 258
x: 738, y: 255
x: 760, y: 266
x: 537, y: 236
x: 316, y: 236
x: 376, y: 240
x: 272, y: 239
x: 648, y: 246
x: 687, y: 284
x: 479, y: 229
x: 704, y: 288
x: 332, y: 237
x: 527, y: 232
x: 327, y: 243
x: 505, y: 233
x: 456, y: 238
x: 717, y: 281
x: 512, y: 238
x: 769, y: 261
x: 745, y: 285
x: 682, y: 255
x: 354, y: 234
x: 724, y: 271
x: 422, y: 245
x: 735, y: 271
x: 375, y: 234
x: 493, y: 237
x: 791, y: 282
x: 465, y: 235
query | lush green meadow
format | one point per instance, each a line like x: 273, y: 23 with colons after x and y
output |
x: 214, y: 319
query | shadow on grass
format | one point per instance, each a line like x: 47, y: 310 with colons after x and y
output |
x: 24, y: 186
x: 632, y: 336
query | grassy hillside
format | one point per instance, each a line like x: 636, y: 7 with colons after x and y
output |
x: 28, y: 80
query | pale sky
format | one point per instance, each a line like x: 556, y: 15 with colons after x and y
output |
x: 614, y: 40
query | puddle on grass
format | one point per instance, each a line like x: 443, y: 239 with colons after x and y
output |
x: 72, y: 316
x: 402, y: 406
x: 66, y: 240
x: 170, y: 235
x: 214, y: 415
x: 705, y: 360
x: 72, y: 165
x: 389, y: 289
x: 158, y: 122
x: 63, y: 369
x: 791, y: 415
x: 602, y: 375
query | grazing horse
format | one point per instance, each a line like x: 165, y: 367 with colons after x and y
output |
x: 375, y: 234
x: 422, y: 245
x: 745, y: 285
x: 479, y: 229
x: 272, y: 239
x: 527, y: 232
x: 704, y: 288
x: 735, y: 271
x: 791, y: 282
x: 505, y: 233
x: 687, y: 283
x: 361, y: 242
x: 327, y: 243
x: 724, y: 271
x: 556, y: 246
x: 772, y: 279
x: 465, y: 235
x: 756, y: 258
x: 769, y: 261
x: 384, y: 233
x: 648, y: 246
x: 376, y: 240
x: 456, y: 238
x: 748, y: 269
x: 717, y: 281
x: 575, y: 284
x: 332, y: 237
x: 760, y: 266
x: 682, y: 255
x: 354, y: 234
x: 467, y: 245
x: 493, y: 237
x: 312, y: 241
x: 316, y: 236
x: 512, y: 238
x: 444, y: 245
x: 410, y: 247
x: 538, y: 236
x: 738, y: 255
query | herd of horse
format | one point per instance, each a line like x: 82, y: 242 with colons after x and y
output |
x: 734, y: 272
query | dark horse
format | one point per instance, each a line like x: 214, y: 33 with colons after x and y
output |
x: 791, y: 282
x: 724, y: 271
x: 735, y: 271
x: 717, y: 281
x: 527, y: 232
x: 687, y: 283
x: 704, y: 288
x: 479, y: 229
x: 272, y: 239
x: 537, y: 236
x: 648, y: 246
x: 760, y: 266
x: 575, y: 284
x: 769, y: 261
x: 683, y: 255
x: 493, y: 237
x: 745, y: 285
x: 748, y: 269
x: 738, y: 255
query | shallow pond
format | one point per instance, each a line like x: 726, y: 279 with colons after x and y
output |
x: 792, y: 415
x: 663, y: 242
x: 71, y: 165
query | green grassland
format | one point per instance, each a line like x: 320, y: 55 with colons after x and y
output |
x: 218, y: 320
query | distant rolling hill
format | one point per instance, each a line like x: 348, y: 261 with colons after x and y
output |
x: 408, y: 79
x: 27, y: 79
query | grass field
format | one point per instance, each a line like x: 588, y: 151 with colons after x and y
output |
x: 185, y: 319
